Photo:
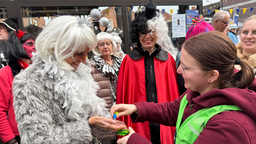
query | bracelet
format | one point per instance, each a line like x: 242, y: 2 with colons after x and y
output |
x: 89, y: 122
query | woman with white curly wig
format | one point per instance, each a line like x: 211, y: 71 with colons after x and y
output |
x: 55, y: 98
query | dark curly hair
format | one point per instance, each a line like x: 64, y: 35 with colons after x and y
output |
x: 137, y: 26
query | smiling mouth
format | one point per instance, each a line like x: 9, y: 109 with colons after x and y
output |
x: 249, y: 43
x: 75, y: 64
x: 148, y: 41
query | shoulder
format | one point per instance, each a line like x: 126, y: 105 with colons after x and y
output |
x: 6, y: 71
x: 6, y: 75
x: 32, y: 79
x: 234, y: 123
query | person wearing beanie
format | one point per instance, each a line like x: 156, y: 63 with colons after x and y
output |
x: 10, y: 24
x: 232, y: 32
x: 18, y: 49
x: 7, y: 26
x: 148, y: 72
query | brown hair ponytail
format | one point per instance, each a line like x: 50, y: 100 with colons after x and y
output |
x: 215, y: 51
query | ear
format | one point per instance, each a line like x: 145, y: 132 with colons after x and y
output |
x: 213, y: 76
x: 216, y: 21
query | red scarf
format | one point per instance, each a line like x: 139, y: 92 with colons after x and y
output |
x: 22, y: 64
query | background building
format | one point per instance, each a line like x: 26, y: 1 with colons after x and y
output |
x: 119, y: 12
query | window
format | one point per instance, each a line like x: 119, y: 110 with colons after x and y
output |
x: 3, y: 14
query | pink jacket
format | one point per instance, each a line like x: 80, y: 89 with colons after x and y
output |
x: 8, y: 124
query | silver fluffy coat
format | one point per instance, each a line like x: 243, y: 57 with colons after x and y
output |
x: 53, y: 105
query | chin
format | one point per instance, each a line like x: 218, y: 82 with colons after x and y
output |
x: 186, y: 86
x: 249, y: 48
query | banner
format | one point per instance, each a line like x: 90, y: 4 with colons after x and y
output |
x: 48, y: 15
x: 209, y: 11
x: 27, y: 12
x: 38, y: 14
x: 235, y: 18
x: 244, y: 10
x: 163, y: 10
x: 179, y: 25
x: 231, y: 11
x: 251, y: 10
x: 237, y: 11
x: 190, y: 15
x: 171, y: 11
x: 116, y: 9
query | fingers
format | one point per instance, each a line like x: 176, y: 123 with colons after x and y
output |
x: 113, y: 110
x: 125, y: 139
x: 122, y: 140
x: 121, y: 114
x: 131, y: 130
x: 115, y: 128
x: 117, y: 108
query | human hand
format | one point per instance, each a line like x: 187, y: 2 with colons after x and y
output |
x: 107, y: 123
x: 123, y: 109
x: 125, y: 139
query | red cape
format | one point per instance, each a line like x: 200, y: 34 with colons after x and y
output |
x: 131, y: 88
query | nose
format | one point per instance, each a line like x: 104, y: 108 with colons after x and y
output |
x: 83, y: 58
x: 249, y: 35
x: 147, y: 35
x: 105, y: 45
x: 179, y: 70
x: 33, y: 47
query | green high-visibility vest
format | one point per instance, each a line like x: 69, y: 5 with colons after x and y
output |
x: 191, y: 128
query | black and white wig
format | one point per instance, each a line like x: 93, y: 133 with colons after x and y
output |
x: 143, y: 25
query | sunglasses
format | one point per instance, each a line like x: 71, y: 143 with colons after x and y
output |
x: 29, y: 44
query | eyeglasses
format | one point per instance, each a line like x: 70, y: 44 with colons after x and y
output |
x: 223, y: 22
x: 150, y: 32
x: 186, y: 68
x: 102, y: 44
x: 29, y: 44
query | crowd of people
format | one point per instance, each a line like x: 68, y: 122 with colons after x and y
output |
x: 52, y: 93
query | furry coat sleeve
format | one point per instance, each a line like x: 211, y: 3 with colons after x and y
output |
x: 50, y: 110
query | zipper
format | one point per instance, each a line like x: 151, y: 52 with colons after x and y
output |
x: 190, y: 106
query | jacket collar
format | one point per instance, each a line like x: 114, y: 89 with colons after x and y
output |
x: 137, y: 53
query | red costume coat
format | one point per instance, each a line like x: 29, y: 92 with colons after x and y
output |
x: 131, y: 88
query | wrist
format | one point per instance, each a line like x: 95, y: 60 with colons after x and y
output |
x: 92, y: 121
x: 12, y: 141
x: 135, y: 109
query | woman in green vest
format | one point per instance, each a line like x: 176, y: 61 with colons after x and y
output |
x: 217, y: 108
